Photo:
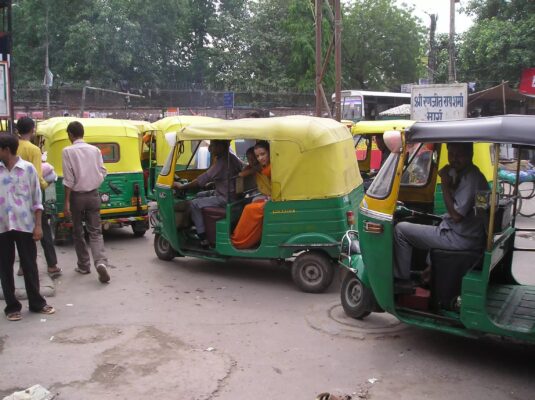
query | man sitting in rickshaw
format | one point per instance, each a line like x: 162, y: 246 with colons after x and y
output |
x: 459, y: 229
x: 223, y: 174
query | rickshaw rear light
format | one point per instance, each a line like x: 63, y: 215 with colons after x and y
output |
x: 350, y: 215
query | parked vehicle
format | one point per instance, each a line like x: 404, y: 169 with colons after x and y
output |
x: 122, y: 194
x: 471, y: 293
x: 316, y: 188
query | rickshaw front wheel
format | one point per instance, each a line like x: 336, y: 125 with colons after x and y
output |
x: 357, y: 299
x: 312, y: 272
x: 163, y: 248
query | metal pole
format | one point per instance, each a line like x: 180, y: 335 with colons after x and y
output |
x: 319, y: 18
x: 83, y: 102
x: 451, y: 44
x: 338, y: 59
x: 47, y: 87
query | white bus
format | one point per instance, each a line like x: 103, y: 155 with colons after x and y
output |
x: 362, y: 105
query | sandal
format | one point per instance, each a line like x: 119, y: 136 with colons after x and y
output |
x: 19, y: 272
x: 55, y: 272
x: 82, y: 271
x: 47, y: 310
x: 14, y: 316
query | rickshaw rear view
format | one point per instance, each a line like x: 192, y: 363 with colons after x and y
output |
x: 122, y: 193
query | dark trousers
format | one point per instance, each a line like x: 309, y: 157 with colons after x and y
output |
x: 28, y: 262
x: 47, y: 243
x: 85, y: 206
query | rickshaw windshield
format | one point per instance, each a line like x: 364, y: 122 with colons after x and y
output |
x: 382, y: 184
x: 361, y: 146
x: 420, y: 156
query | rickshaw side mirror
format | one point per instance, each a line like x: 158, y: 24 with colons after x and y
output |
x: 170, y: 138
x: 392, y: 140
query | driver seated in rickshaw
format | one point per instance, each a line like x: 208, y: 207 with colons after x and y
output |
x: 460, y: 228
x: 226, y: 165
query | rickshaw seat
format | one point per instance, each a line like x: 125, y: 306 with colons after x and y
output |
x: 210, y: 216
x: 447, y: 271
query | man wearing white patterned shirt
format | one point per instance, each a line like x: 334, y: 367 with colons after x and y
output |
x: 20, y: 225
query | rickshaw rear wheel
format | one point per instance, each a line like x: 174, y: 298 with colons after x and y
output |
x: 139, y: 229
x: 312, y: 272
x: 357, y: 299
x: 163, y: 248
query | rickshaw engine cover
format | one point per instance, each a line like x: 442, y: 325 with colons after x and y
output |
x: 210, y: 216
x: 182, y: 215
x: 447, y: 271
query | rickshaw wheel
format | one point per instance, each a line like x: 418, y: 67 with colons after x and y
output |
x: 163, y: 248
x: 139, y: 229
x: 357, y: 299
x: 312, y: 272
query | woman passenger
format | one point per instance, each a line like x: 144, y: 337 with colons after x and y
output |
x: 248, y: 232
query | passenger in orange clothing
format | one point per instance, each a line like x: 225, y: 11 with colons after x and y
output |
x: 248, y: 232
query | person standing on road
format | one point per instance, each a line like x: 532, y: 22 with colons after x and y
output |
x: 20, y: 225
x: 83, y: 173
x: 31, y: 153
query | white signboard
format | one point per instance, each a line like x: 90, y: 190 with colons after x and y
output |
x: 5, y: 109
x: 439, y: 102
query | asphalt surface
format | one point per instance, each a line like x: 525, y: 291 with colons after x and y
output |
x: 191, y: 329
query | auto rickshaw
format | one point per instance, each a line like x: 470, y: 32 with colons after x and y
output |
x: 122, y: 195
x: 471, y: 293
x: 316, y: 188
x: 367, y: 155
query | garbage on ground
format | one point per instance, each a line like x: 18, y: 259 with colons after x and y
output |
x: 210, y: 349
x: 372, y: 380
x: 36, y: 392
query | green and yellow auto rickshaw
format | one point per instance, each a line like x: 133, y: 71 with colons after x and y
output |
x: 122, y: 192
x: 471, y: 293
x: 370, y: 157
x: 316, y: 188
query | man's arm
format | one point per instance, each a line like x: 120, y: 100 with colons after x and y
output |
x: 37, y: 205
x: 67, y: 201
x: 447, y: 194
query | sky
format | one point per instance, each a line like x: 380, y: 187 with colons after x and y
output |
x: 442, y: 8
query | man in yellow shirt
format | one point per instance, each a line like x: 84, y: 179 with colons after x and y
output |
x: 31, y: 153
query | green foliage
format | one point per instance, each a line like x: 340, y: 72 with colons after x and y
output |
x: 255, y: 45
x: 500, y: 44
x: 382, y: 45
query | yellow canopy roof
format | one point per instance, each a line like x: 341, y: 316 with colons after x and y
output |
x: 96, y: 130
x: 55, y: 129
x: 378, y: 127
x: 175, y: 123
x: 311, y: 158
x: 307, y: 132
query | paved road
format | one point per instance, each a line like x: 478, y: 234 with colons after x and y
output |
x: 191, y: 329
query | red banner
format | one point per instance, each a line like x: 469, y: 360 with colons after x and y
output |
x: 527, y: 82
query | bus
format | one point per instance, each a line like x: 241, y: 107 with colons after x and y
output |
x: 361, y: 105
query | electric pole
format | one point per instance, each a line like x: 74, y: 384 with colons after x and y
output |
x: 451, y: 45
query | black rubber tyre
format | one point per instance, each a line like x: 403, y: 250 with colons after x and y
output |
x: 357, y: 299
x: 312, y: 272
x: 163, y: 248
x: 139, y: 229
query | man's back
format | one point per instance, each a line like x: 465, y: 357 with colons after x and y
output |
x: 83, y: 168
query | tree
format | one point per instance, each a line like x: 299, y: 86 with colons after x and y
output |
x: 500, y: 44
x: 382, y: 45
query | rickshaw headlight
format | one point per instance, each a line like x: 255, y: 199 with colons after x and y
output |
x: 105, y: 197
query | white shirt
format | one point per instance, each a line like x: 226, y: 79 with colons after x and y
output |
x: 83, y: 167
